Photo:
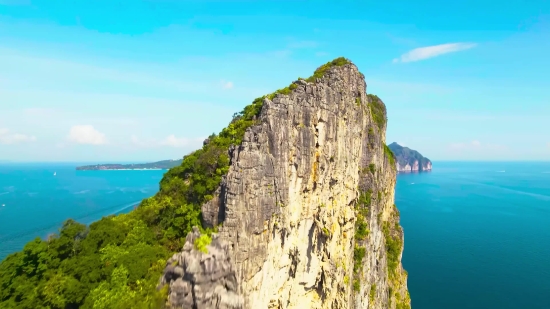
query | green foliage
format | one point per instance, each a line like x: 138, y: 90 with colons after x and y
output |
x: 378, y: 110
x: 389, y: 154
x: 320, y: 72
x: 372, y: 292
x: 365, y: 199
x: 403, y: 303
x: 358, y: 101
x: 356, y: 285
x: 326, y: 232
x: 361, y: 233
x: 358, y: 255
x: 202, y: 242
x: 361, y: 230
x: 394, y: 246
x: 372, y: 168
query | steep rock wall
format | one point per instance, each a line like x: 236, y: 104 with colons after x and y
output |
x: 415, y: 167
x: 304, y: 181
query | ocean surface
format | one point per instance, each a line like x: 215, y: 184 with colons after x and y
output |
x: 477, y: 235
x: 36, y: 202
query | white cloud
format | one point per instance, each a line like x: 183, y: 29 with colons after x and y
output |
x: 86, y: 134
x: 38, y: 111
x: 433, y: 51
x: 475, y: 145
x: 227, y: 84
x: 13, y: 138
x: 173, y: 141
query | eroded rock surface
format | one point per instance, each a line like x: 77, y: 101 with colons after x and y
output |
x: 202, y: 280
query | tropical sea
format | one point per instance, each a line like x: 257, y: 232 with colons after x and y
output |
x: 37, y: 202
x: 477, y: 235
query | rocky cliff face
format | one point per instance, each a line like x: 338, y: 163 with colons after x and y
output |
x: 307, y: 208
x: 415, y: 167
x: 409, y: 160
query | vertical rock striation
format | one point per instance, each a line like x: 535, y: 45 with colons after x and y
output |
x: 307, y: 207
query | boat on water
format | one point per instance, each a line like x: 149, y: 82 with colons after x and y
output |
x: 54, y: 173
x: 3, y: 205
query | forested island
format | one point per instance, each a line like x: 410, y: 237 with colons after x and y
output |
x: 159, y: 165
x: 409, y: 160
x: 227, y: 227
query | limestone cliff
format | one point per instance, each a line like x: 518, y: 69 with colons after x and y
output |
x: 306, y: 211
x: 409, y: 160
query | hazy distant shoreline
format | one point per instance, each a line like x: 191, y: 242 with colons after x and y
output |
x: 159, y: 165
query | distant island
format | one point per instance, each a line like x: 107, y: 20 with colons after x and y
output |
x: 160, y: 165
x: 409, y: 160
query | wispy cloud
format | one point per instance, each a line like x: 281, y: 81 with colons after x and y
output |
x: 174, y: 141
x: 169, y: 141
x: 423, y: 53
x: 475, y: 145
x: 227, y: 84
x: 60, y: 70
x: 86, y: 134
x: 6, y: 137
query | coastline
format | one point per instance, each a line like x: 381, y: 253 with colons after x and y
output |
x: 124, y: 169
x: 413, y: 172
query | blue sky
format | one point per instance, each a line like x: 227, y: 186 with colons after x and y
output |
x: 148, y: 80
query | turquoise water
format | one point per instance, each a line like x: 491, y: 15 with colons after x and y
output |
x: 37, y: 202
x: 477, y: 235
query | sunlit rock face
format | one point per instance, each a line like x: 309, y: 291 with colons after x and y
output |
x: 289, y: 205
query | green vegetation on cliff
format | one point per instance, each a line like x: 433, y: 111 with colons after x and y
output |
x: 405, y: 155
x: 378, y: 110
x: 393, y: 241
x: 362, y: 208
x: 390, y: 155
x: 116, y: 262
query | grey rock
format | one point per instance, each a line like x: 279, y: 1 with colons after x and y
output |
x: 202, y: 280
